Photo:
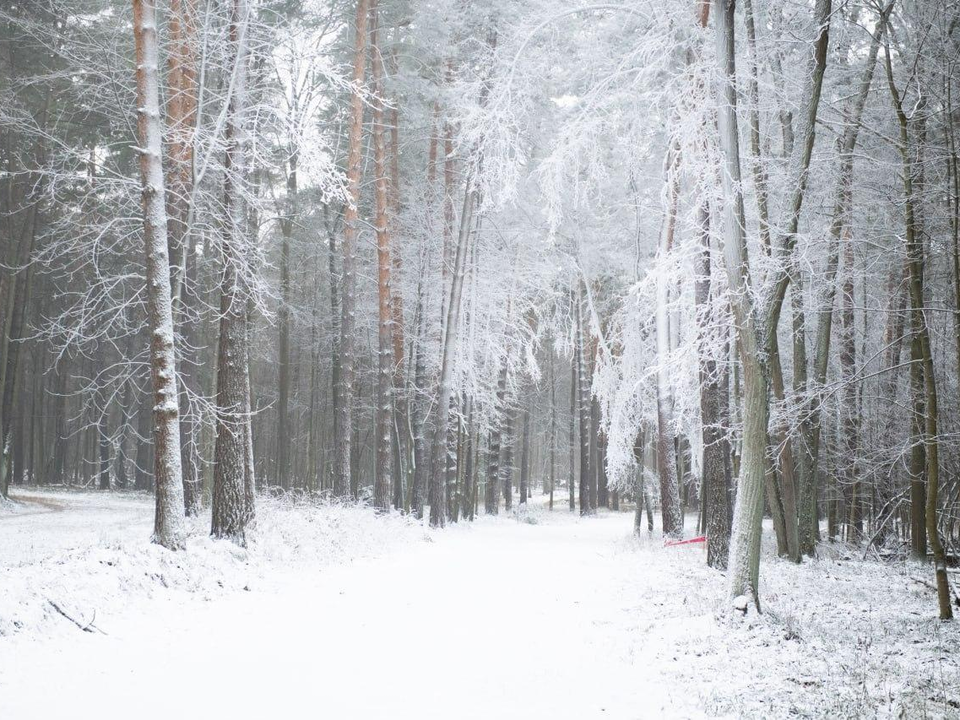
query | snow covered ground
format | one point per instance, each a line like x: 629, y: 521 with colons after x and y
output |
x: 336, y: 613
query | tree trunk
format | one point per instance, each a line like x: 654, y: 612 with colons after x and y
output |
x: 104, y: 438
x: 469, y: 479
x: 451, y: 331
x: 327, y: 475
x: 420, y: 406
x: 744, y: 560
x: 779, y: 475
x: 639, y: 490
x: 342, y: 478
x: 282, y: 470
x: 715, y: 481
x: 438, y: 477
x: 922, y: 346
x: 506, y: 459
x: 918, y: 454
x: 249, y: 477
x: 849, y: 422
x: 583, y: 397
x: 451, y: 310
x: 893, y: 342
x: 142, y: 479
x: 572, y: 432
x: 756, y: 161
x: 525, y: 453
x: 168, y: 528
x: 403, y: 441
x: 383, y: 481
x: 670, y: 509
x: 788, y: 269
x: 553, y: 421
x: 491, y: 491
x: 810, y: 426
x: 231, y: 471
x: 594, y: 442
x: 182, y: 118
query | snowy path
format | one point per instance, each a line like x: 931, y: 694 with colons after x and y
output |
x: 496, y: 620
x: 43, y: 523
x: 354, y: 616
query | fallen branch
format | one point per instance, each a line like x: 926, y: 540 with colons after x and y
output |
x: 89, y: 627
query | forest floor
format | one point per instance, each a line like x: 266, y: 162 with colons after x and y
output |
x: 334, y: 612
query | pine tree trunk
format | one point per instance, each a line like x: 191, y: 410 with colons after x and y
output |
x: 182, y: 117
x: 231, y: 472
x: 572, y: 433
x: 594, y: 443
x: 525, y: 453
x: 189, y: 377
x: 168, y: 528
x: 403, y: 441
x: 6, y: 305
x: 452, y: 461
x: 343, y: 479
x: 449, y: 215
x: 104, y: 474
x: 583, y: 398
x: 506, y: 459
x: 282, y: 470
x: 15, y: 327
x: 123, y: 444
x: 553, y: 421
x: 420, y: 405
x: 383, y: 481
x: 324, y: 474
x: 469, y: 479
x: 141, y: 478
x: 491, y: 494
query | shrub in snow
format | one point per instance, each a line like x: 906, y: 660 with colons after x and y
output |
x: 529, y: 514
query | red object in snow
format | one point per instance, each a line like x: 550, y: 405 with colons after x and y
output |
x: 671, y: 543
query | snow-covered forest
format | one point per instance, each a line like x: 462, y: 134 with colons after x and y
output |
x: 514, y: 358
